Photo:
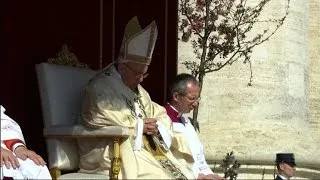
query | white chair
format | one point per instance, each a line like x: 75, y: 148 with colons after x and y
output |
x: 60, y: 93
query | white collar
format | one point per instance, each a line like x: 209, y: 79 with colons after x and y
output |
x: 282, y: 177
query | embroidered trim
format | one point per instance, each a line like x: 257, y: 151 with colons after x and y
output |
x: 169, y: 166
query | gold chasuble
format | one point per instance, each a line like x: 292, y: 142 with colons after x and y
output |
x: 107, y: 101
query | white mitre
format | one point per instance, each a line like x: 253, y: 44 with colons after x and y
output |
x: 138, y: 44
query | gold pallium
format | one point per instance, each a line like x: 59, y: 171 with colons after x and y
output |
x: 159, y: 154
x: 66, y: 58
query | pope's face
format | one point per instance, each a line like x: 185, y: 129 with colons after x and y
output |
x: 133, y: 74
x: 185, y: 103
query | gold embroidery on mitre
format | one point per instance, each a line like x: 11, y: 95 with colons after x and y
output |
x: 142, y: 59
x: 138, y: 44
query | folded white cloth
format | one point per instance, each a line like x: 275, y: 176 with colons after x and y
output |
x: 27, y: 170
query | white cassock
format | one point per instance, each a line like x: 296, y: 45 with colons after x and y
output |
x: 28, y: 169
x: 186, y: 144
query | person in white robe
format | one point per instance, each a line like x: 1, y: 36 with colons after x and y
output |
x: 186, y: 146
x: 115, y: 97
x: 18, y: 162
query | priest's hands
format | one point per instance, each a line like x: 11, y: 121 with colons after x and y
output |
x: 150, y: 126
x: 8, y: 159
x: 23, y: 153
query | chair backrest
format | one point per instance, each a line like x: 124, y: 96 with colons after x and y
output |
x: 61, y: 88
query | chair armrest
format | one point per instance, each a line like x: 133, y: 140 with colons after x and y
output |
x: 78, y: 131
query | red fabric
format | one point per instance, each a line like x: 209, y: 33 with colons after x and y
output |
x: 173, y: 114
x: 10, y: 143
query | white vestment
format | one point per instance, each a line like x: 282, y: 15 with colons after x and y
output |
x: 28, y: 169
x: 107, y: 101
x: 200, y: 165
x: 186, y: 145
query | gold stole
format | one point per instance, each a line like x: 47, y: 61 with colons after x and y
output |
x: 158, y: 151
x: 161, y: 157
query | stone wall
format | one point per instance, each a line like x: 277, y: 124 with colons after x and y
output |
x: 281, y: 111
x: 314, y: 66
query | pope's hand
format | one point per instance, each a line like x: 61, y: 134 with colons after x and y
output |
x: 150, y: 126
x: 201, y: 176
x: 8, y: 159
x: 24, y: 153
x: 210, y: 176
x: 214, y: 177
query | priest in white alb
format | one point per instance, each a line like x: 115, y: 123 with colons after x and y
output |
x: 186, y: 146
